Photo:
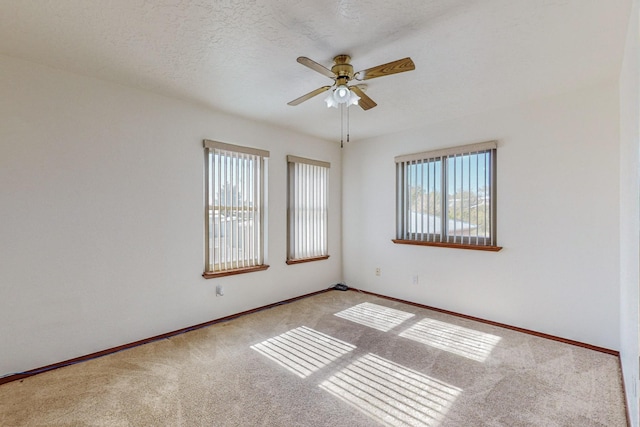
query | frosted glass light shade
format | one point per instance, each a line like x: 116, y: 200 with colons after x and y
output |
x: 342, y: 94
x: 330, y: 101
x: 353, y: 99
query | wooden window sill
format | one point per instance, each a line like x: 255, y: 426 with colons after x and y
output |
x: 301, y: 260
x: 214, y: 274
x: 447, y: 245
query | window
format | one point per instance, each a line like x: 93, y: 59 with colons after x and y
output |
x: 448, y: 197
x: 308, y: 182
x: 235, y: 209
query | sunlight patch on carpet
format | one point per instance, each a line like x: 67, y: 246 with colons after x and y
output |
x: 455, y: 339
x: 303, y: 350
x: 375, y: 316
x: 391, y: 393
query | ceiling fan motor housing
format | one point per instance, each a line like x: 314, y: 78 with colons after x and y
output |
x: 342, y: 69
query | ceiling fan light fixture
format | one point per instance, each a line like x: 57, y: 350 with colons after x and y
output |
x: 341, y: 95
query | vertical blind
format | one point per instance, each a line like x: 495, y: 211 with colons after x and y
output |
x: 448, y: 195
x: 307, y: 213
x: 234, y: 188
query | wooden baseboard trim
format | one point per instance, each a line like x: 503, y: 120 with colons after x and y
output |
x: 21, y: 375
x: 501, y: 325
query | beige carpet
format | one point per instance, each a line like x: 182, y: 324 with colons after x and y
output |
x: 334, y: 359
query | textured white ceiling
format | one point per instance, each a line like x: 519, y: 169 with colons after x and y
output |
x: 240, y: 56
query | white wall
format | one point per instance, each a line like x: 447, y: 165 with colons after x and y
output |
x: 630, y: 211
x: 101, y: 216
x: 558, y: 220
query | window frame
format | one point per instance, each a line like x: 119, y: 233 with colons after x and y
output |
x: 259, y: 170
x: 319, y: 222
x: 442, y: 237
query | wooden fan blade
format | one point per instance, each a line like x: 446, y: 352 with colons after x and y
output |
x: 365, y: 102
x: 316, y: 67
x: 399, y: 66
x: 309, y: 95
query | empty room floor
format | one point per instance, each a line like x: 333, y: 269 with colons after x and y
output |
x: 332, y: 359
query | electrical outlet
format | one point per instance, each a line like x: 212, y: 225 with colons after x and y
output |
x: 377, y: 271
x: 219, y: 291
x: 414, y: 279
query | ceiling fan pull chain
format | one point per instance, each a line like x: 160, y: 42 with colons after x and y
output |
x: 341, y: 125
x: 347, y: 124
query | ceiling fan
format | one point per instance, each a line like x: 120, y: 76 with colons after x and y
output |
x: 342, y: 73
